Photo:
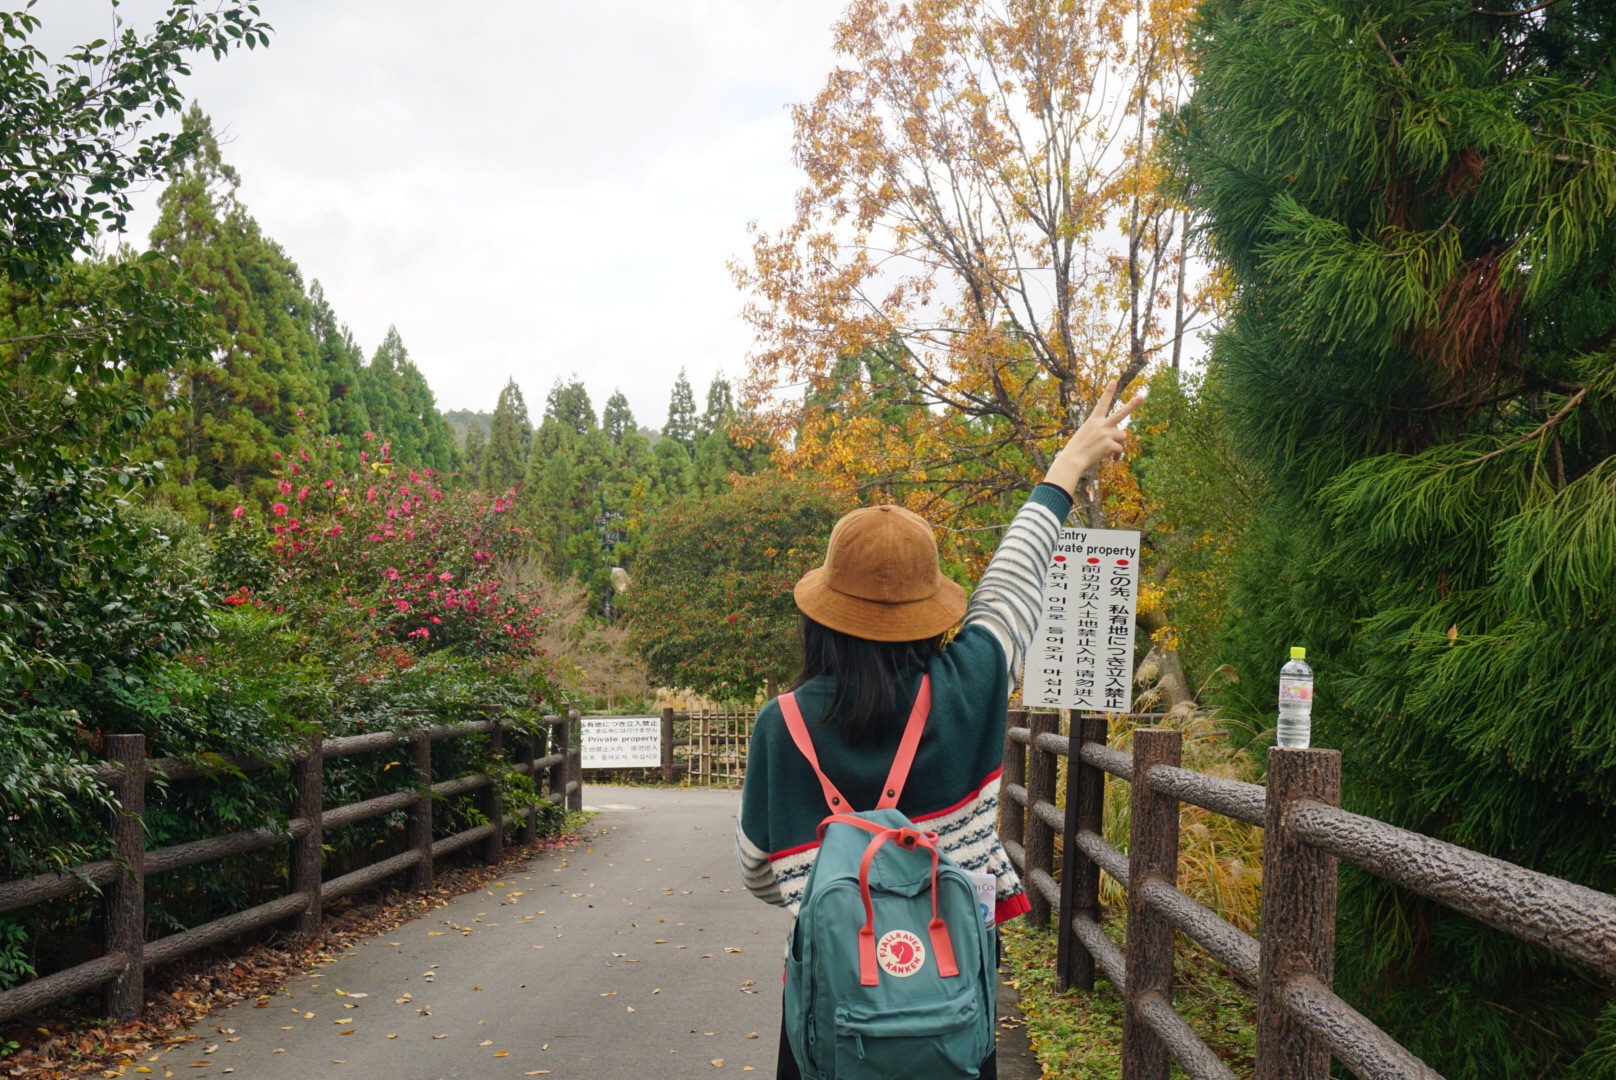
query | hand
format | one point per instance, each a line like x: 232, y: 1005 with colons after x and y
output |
x: 1100, y: 437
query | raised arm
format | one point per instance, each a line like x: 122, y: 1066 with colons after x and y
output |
x: 1008, y: 598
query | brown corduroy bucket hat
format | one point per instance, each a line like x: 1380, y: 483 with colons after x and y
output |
x: 881, y: 580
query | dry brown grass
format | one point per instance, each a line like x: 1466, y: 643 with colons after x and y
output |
x: 1219, y: 858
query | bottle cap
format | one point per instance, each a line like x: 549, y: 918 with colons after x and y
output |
x: 1298, y: 653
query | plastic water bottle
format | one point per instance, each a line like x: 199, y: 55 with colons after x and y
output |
x: 1296, y: 701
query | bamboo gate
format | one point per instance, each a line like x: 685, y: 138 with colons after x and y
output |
x: 714, y: 742
x: 550, y: 755
x: 1301, y: 1023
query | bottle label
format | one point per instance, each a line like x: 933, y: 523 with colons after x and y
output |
x: 1295, y: 691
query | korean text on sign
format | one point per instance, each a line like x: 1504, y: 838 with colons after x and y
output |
x: 1082, y: 655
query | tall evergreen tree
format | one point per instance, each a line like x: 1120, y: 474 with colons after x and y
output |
x: 504, y: 459
x: 476, y: 442
x: 568, y: 404
x: 266, y: 386
x: 681, y: 425
x: 720, y: 408
x: 617, y: 419
x: 403, y: 411
x: 1419, y: 360
x: 341, y: 359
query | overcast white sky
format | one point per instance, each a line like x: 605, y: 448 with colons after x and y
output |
x: 527, y: 188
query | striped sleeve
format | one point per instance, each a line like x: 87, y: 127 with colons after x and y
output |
x: 757, y: 873
x: 1008, y: 598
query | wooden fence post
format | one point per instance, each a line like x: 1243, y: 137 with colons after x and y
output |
x: 1152, y: 853
x: 418, y: 833
x: 125, y: 897
x: 575, y: 770
x: 1041, y: 773
x: 704, y: 752
x: 558, y: 773
x: 488, y: 799
x: 530, y: 815
x: 668, y: 773
x: 306, y: 866
x: 1012, y: 817
x: 1298, y: 913
x: 1080, y: 875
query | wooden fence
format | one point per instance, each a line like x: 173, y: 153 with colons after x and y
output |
x: 1301, y: 1023
x: 121, y: 967
x: 715, y: 744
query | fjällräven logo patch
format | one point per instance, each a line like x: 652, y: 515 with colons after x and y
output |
x: 900, y: 953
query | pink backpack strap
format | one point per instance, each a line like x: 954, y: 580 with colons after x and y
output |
x: 907, y: 747
x: 896, y: 778
x: 799, y: 735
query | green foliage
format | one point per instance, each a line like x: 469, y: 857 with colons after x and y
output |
x: 1414, y: 202
x: 681, y: 425
x: 1201, y: 495
x: 711, y: 607
x: 617, y: 418
x: 502, y: 463
x: 74, y: 140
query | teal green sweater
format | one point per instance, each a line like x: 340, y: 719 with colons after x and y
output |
x: 953, y: 788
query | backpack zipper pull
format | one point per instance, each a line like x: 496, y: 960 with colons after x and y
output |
x: 859, y: 1039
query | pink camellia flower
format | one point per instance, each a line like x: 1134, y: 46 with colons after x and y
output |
x: 414, y: 476
x: 436, y: 621
x: 285, y: 487
x: 280, y: 509
x: 499, y: 506
x: 364, y: 456
x: 446, y: 576
x: 371, y: 493
x: 330, y: 483
x: 436, y: 494
x: 369, y: 435
x: 390, y: 574
x: 302, y: 494
x: 238, y: 511
x: 300, y: 412
x: 426, y: 472
x: 387, y: 452
x: 335, y: 530
x: 420, y: 632
x: 402, y: 605
x: 304, y: 454
x: 277, y: 455
x: 296, y: 470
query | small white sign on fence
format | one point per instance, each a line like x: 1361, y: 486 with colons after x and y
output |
x: 622, y: 742
x: 1082, y: 655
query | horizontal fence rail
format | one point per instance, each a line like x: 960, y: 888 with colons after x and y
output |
x: 1301, y: 1022
x: 551, y: 757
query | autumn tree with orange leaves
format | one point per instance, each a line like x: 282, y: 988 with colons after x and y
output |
x: 979, y: 245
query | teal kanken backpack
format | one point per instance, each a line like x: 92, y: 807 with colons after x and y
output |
x: 891, y: 968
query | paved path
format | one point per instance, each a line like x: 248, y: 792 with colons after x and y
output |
x: 635, y: 954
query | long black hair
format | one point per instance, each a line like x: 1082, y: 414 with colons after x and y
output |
x: 869, y: 702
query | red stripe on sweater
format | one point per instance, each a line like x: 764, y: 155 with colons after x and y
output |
x: 1005, y: 910
x: 944, y: 812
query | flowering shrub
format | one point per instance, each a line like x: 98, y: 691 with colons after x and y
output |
x: 411, y: 571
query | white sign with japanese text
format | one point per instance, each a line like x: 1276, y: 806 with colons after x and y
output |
x: 622, y: 742
x: 1082, y: 655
